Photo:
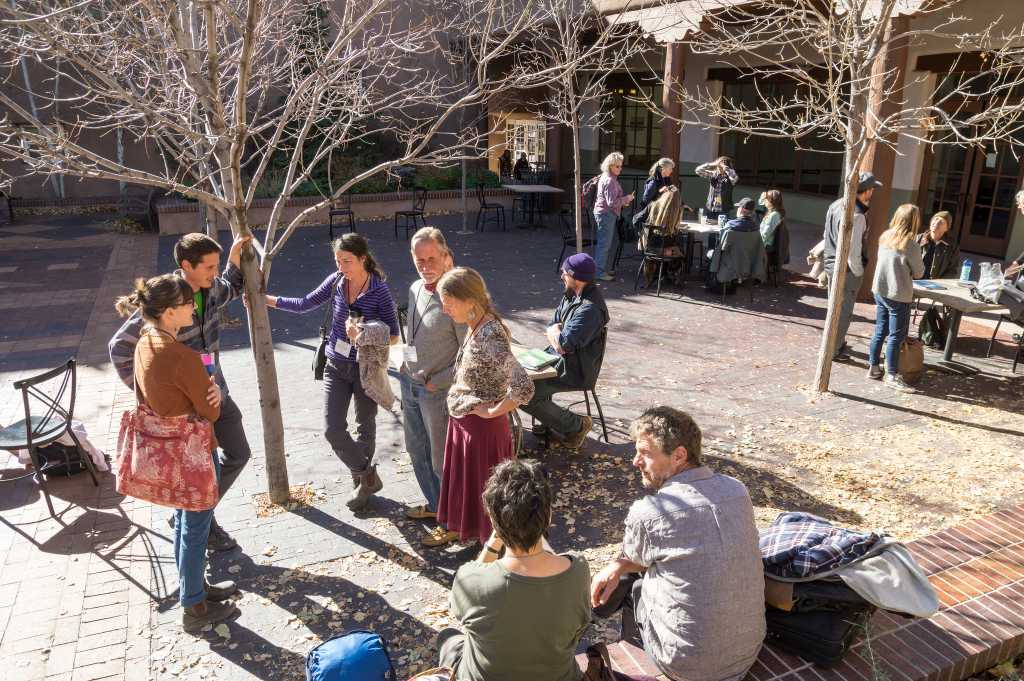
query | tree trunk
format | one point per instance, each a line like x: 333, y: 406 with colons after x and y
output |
x: 266, y: 371
x: 851, y: 167
x: 577, y: 180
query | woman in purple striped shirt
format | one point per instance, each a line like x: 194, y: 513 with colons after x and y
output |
x: 357, y: 286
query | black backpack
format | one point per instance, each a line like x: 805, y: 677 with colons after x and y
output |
x: 932, y: 329
x: 589, y: 192
x: 58, y: 459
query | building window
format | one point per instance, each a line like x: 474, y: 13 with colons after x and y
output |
x: 631, y: 127
x: 816, y: 168
x: 527, y: 137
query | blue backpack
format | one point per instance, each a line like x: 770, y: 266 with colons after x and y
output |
x: 352, y: 656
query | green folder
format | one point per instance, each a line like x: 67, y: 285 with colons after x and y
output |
x: 535, y: 358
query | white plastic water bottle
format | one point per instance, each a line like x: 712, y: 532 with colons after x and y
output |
x: 965, y: 270
x: 700, y: 216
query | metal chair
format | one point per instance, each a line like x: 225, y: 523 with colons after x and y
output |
x: 342, y: 210
x: 1018, y: 337
x: 591, y: 392
x: 403, y: 319
x: 778, y: 254
x: 488, y: 211
x: 49, y: 403
x: 410, y: 217
x: 568, y: 230
x: 653, y: 251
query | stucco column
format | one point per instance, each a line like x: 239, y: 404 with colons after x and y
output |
x: 675, y: 60
x: 887, y: 79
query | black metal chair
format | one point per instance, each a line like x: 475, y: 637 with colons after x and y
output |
x: 488, y: 211
x: 412, y: 219
x: 654, y: 242
x: 588, y: 393
x: 403, y: 319
x: 49, y: 403
x: 1017, y: 337
x: 341, y: 209
x: 778, y: 254
x: 568, y: 229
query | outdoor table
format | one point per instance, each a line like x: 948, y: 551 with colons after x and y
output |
x: 532, y: 192
x: 397, y: 350
x: 958, y: 301
x: 706, y: 233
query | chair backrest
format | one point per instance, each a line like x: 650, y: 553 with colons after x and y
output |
x: 565, y: 224
x: 343, y: 202
x: 50, y: 397
x: 480, y: 194
x: 419, y: 198
x: 653, y: 239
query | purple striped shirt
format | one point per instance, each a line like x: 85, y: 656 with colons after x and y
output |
x: 375, y: 303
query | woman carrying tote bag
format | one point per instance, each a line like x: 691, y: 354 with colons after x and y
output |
x: 899, y: 263
x: 171, y: 382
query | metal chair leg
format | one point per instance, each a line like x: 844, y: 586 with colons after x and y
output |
x: 586, y: 400
x: 85, y: 457
x: 636, y: 279
x: 600, y: 415
x: 661, y: 265
x: 561, y: 254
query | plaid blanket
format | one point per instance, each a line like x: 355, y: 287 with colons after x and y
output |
x: 802, y: 545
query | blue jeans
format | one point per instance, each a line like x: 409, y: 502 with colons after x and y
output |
x: 425, y: 421
x: 892, y: 322
x: 606, y: 237
x: 191, y: 530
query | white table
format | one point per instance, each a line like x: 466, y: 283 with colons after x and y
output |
x: 532, y: 192
x: 958, y: 301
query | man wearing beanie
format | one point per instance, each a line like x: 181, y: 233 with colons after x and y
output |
x: 577, y: 334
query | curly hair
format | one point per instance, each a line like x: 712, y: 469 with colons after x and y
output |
x: 518, y: 498
x: 669, y: 428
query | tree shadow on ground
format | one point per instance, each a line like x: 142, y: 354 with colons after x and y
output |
x: 323, y: 604
x: 940, y: 417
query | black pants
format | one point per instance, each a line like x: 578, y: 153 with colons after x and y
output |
x: 234, y: 447
x: 625, y: 598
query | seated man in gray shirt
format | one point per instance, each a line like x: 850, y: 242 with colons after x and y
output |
x: 689, y: 581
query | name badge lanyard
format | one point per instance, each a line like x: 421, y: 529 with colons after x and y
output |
x: 417, y: 320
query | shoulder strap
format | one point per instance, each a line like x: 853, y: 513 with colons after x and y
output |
x: 329, y: 312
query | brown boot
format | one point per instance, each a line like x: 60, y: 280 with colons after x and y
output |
x: 575, y: 441
x: 195, y: 617
x: 369, y: 484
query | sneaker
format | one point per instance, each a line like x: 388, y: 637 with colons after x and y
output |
x: 606, y: 277
x: 196, y: 617
x: 420, y: 512
x: 440, y: 537
x: 219, y: 540
x: 221, y: 591
x: 896, y: 382
x: 842, y: 354
x: 577, y: 438
x: 875, y: 372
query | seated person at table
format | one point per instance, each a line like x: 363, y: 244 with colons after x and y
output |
x: 745, y: 214
x: 665, y: 213
x: 689, y: 580
x: 577, y: 335
x: 941, y: 255
x: 522, y: 615
x: 774, y: 215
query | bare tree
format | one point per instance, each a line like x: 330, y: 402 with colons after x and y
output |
x: 221, y: 90
x: 847, y: 88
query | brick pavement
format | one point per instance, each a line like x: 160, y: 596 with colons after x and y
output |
x: 320, y: 569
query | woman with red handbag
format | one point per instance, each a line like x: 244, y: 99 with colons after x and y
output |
x: 170, y: 383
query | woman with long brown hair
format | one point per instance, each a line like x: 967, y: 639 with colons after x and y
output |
x: 489, y: 383
x: 170, y: 379
x: 899, y: 263
x: 357, y: 292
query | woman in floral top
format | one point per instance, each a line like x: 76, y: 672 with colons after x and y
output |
x: 489, y: 383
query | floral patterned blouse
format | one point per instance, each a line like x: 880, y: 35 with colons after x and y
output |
x: 486, y: 372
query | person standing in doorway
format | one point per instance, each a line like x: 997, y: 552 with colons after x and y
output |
x: 607, y: 210
x: 198, y: 256
x: 433, y: 340
x: 358, y: 286
x: 855, y: 262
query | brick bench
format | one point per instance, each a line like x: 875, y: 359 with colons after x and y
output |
x: 978, y: 571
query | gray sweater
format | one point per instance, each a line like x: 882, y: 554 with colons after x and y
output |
x: 896, y: 270
x: 436, y: 337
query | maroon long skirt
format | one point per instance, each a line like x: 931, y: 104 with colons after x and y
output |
x: 474, y: 446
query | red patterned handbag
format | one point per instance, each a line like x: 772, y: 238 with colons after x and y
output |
x: 167, y: 460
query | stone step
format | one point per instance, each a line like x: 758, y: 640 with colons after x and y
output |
x: 978, y: 571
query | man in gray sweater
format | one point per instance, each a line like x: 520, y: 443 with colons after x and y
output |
x: 855, y: 261
x: 432, y: 341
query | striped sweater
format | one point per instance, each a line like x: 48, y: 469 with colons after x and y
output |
x: 375, y: 303
x: 202, y: 336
